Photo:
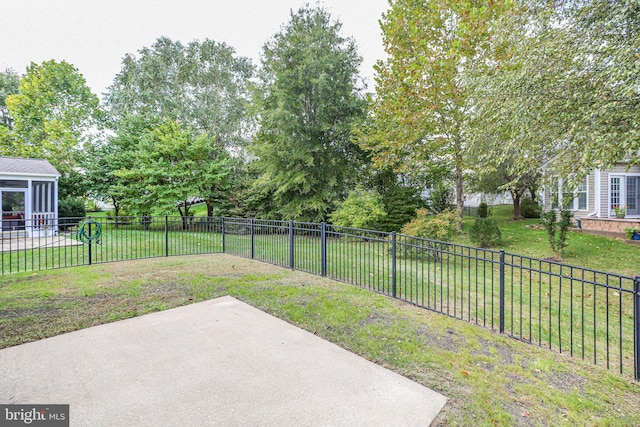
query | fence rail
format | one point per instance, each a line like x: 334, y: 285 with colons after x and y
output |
x: 587, y: 313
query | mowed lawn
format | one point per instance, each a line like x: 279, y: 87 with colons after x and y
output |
x: 490, y: 379
x: 526, y: 237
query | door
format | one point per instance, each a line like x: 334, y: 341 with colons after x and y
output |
x: 13, y: 210
x: 633, y: 196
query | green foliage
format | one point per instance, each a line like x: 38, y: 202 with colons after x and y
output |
x: 201, y: 85
x: 9, y: 83
x: 171, y: 168
x: 420, y: 116
x: 483, y: 210
x: 103, y: 161
x: 570, y: 69
x: 530, y: 209
x: 54, y: 115
x: 485, y: 232
x: 70, y: 210
x: 361, y: 209
x: 400, y: 204
x: 631, y: 231
x: 557, y: 230
x: 308, y: 102
x: 441, y: 198
x: 441, y: 227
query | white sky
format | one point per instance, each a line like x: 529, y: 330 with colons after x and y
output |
x: 94, y: 35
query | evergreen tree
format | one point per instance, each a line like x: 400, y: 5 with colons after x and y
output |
x: 309, y: 100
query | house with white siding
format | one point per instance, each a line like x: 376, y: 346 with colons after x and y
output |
x: 29, y: 196
x: 595, y: 198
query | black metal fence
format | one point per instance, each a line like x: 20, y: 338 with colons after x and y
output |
x: 590, y: 314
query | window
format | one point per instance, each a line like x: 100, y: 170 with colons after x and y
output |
x: 13, y: 183
x: 624, y: 191
x: 581, y: 196
x: 562, y: 197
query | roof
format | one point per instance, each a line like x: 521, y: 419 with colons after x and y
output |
x: 16, y: 165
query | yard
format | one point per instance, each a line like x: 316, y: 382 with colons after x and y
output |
x: 489, y: 378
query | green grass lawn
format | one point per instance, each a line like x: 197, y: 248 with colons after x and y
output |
x: 544, y: 303
x: 584, y: 250
x: 489, y: 378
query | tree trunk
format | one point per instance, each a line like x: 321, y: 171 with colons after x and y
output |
x: 116, y: 211
x: 209, y: 203
x: 517, y: 195
x: 459, y: 184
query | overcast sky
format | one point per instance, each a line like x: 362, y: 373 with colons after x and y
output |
x: 94, y: 35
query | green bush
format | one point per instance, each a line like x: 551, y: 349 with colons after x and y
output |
x: 400, y: 204
x: 361, y: 209
x: 485, y: 232
x: 483, y: 210
x: 69, y: 210
x: 441, y: 198
x: 557, y: 230
x: 530, y: 209
x: 440, y: 227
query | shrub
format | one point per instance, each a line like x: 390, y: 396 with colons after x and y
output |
x: 70, y: 208
x: 441, y: 198
x: 400, y: 204
x: 485, y: 232
x: 440, y: 227
x: 483, y: 210
x: 557, y: 230
x: 530, y: 209
x: 361, y: 209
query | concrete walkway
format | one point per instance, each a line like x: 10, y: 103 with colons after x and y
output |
x: 215, y: 363
x: 24, y: 243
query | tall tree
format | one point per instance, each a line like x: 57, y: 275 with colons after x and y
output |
x: 172, y: 168
x: 201, y: 85
x: 104, y: 160
x: 308, y: 99
x: 9, y: 82
x: 571, y: 71
x: 54, y: 114
x: 420, y: 116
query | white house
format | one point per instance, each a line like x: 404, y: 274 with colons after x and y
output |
x: 29, y: 195
x: 601, y: 191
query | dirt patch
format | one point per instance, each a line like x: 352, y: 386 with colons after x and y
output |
x: 449, y: 341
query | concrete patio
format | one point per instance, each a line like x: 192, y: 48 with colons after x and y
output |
x: 219, y: 362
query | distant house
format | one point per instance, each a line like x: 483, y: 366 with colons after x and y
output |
x: 594, y: 200
x: 29, y: 195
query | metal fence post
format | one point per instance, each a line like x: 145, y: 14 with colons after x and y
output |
x: 253, y: 242
x: 636, y: 326
x: 323, y: 249
x: 502, y: 291
x: 89, y: 242
x: 393, y: 264
x: 222, y: 227
x: 291, y: 246
x: 166, y: 235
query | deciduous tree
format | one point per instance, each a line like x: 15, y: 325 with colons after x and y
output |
x: 54, y: 114
x: 420, y: 116
x: 201, y: 85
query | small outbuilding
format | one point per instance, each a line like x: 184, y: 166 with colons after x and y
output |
x: 29, y: 195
